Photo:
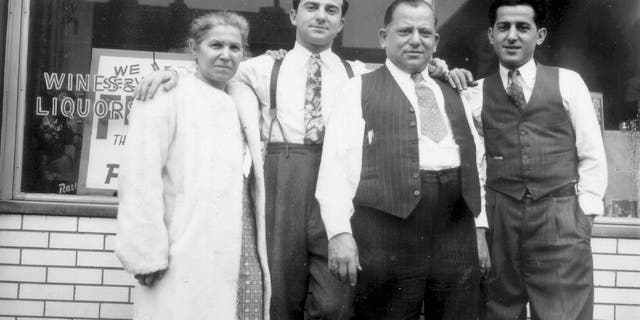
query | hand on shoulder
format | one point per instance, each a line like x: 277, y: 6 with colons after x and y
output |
x: 148, y: 86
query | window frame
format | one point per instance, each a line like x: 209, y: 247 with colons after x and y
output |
x: 13, y: 200
x: 10, y: 98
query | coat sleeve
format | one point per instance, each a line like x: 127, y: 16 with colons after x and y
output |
x: 142, y: 242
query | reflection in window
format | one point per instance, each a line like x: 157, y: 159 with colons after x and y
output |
x: 65, y: 92
x: 598, y: 39
x: 67, y: 38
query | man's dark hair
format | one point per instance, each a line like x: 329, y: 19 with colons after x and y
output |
x: 539, y: 9
x: 388, y: 15
x: 345, y: 6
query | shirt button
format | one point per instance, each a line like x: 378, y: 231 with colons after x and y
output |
x: 416, y: 193
x: 416, y: 175
x: 411, y: 109
x: 412, y: 124
x: 524, y: 133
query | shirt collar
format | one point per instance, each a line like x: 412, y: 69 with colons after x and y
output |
x: 527, y: 72
x: 302, y: 55
x: 404, y: 76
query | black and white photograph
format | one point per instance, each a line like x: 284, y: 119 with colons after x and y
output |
x: 320, y: 159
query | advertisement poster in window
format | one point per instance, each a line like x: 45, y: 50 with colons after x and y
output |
x: 114, y: 77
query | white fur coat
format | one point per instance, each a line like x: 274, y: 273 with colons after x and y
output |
x: 180, y: 206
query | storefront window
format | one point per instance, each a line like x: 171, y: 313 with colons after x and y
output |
x: 84, y: 57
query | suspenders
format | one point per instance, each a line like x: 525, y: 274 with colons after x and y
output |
x: 273, y: 88
x: 347, y: 67
x: 273, y: 111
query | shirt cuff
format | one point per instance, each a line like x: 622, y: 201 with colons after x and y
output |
x: 336, y: 221
x: 590, y: 204
x: 481, y: 220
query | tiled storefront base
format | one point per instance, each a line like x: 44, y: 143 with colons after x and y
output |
x: 55, y: 267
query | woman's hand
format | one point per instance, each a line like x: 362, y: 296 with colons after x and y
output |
x: 148, y: 279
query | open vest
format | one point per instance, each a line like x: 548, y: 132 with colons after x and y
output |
x: 390, y: 178
x: 530, y: 149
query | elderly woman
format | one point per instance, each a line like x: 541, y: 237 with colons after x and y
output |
x: 186, y: 224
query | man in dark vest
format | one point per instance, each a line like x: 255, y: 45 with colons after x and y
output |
x: 546, y: 173
x: 400, y: 151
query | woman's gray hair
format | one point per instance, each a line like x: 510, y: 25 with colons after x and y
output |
x: 200, y: 26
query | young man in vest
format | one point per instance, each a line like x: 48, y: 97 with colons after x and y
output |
x: 400, y: 151
x: 546, y: 173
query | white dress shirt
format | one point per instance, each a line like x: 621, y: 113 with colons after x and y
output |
x: 341, y: 163
x: 592, y: 162
x: 292, y: 82
x: 447, y: 149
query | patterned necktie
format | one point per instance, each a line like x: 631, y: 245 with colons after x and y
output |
x: 432, y: 123
x: 514, y: 90
x: 312, y: 102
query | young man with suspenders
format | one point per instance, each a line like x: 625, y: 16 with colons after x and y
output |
x: 294, y: 97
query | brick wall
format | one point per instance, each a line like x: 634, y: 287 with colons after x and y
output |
x: 54, y: 267
x: 617, y: 278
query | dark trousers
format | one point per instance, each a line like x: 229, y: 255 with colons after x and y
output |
x: 296, y: 238
x: 541, y: 254
x: 431, y: 257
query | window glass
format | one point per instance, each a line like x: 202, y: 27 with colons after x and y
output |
x: 85, y: 56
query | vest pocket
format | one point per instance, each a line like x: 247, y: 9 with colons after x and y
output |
x: 495, y: 166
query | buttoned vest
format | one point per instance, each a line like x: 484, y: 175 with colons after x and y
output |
x: 530, y: 149
x: 390, y: 177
